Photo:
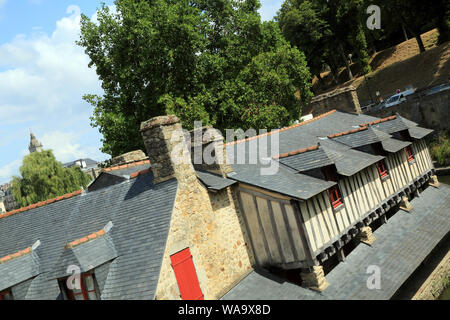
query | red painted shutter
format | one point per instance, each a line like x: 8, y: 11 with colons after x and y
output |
x: 186, y: 275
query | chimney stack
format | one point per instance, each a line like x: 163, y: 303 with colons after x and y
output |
x: 167, y: 149
x: 208, y: 151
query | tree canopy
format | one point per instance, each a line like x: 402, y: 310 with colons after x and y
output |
x: 213, y: 61
x: 327, y: 31
x: 43, y: 178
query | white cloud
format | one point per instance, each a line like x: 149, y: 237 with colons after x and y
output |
x: 8, y: 170
x: 65, y: 146
x: 2, y: 3
x: 42, y: 80
x: 46, y: 74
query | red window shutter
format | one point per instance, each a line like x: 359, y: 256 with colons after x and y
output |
x: 334, y: 197
x: 186, y: 275
x: 382, y: 169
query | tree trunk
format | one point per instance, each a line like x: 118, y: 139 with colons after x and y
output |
x: 341, y: 50
x: 420, y: 42
x: 404, y: 32
x: 321, y: 81
x: 333, y: 68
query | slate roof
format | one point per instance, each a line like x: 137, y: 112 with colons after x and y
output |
x: 364, y: 136
x: 401, y: 246
x: 214, y: 182
x: 285, y: 181
x: 87, y: 256
x: 305, y: 135
x: 395, y: 125
x: 419, y: 132
x: 19, y: 270
x: 348, y: 161
x: 394, y: 145
x: 140, y: 213
x: 307, y: 160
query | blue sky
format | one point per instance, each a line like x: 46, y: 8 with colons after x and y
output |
x: 43, y: 76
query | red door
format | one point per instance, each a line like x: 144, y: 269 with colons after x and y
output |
x: 186, y: 275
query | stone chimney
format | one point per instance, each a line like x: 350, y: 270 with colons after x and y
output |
x: 133, y: 156
x: 167, y: 150
x: 208, y: 152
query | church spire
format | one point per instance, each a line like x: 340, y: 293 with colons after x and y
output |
x: 35, y: 145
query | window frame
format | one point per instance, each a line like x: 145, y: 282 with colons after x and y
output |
x: 69, y: 294
x: 409, y: 154
x: 334, y: 192
x: 335, y: 202
x: 383, y: 172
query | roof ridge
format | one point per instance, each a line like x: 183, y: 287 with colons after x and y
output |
x: 82, y: 240
x: 282, y: 129
x: 379, y: 121
x: 293, y: 153
x: 347, y: 132
x: 41, y: 203
x: 15, y: 255
x: 126, y: 165
x: 136, y: 174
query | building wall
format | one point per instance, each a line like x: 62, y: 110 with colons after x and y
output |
x: 274, y: 228
x: 403, y: 173
x: 326, y: 225
x: 344, y: 99
x: 210, y: 225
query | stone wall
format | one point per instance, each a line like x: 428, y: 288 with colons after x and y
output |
x: 211, y: 226
x: 434, y: 285
x: 428, y: 111
x: 344, y: 99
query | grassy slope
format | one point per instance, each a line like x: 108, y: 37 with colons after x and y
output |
x: 399, y: 66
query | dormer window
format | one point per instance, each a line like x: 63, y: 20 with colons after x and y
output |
x: 87, y: 290
x: 6, y: 295
x: 333, y: 192
x: 409, y: 154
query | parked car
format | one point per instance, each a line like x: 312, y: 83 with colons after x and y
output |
x: 394, y: 100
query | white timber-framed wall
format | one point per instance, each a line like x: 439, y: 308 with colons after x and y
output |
x: 283, y: 231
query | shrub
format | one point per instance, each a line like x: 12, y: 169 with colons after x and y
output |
x: 440, y: 149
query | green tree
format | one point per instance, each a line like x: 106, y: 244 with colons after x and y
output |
x: 418, y: 16
x: 327, y: 31
x: 192, y: 58
x: 43, y: 178
x: 302, y: 24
